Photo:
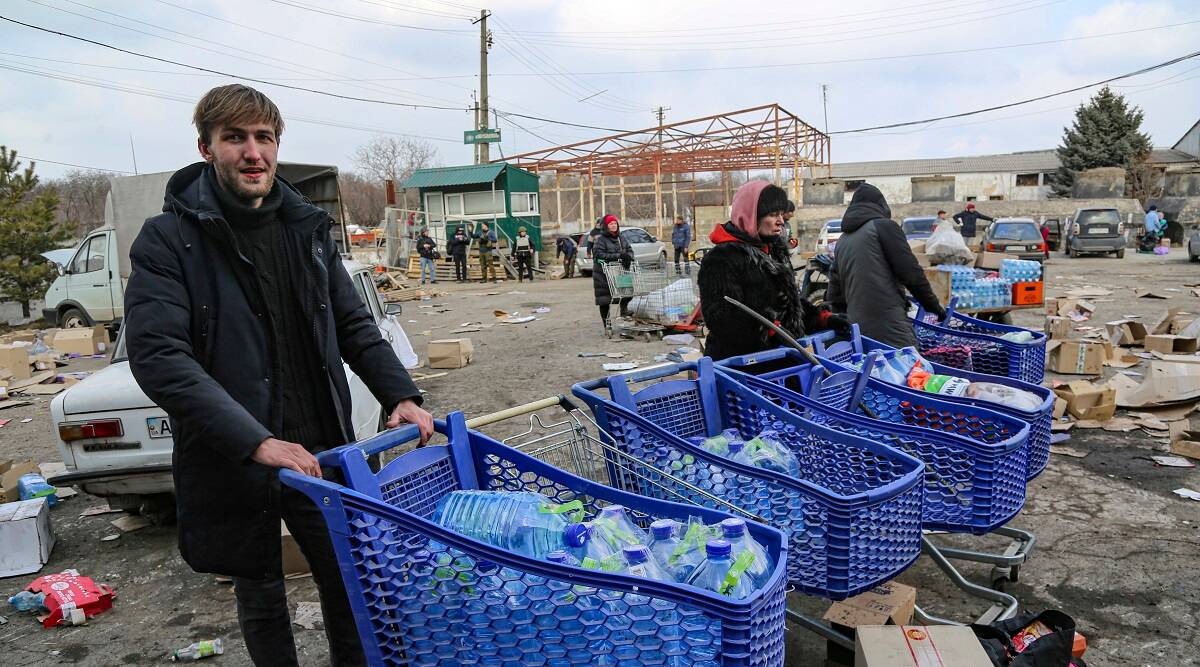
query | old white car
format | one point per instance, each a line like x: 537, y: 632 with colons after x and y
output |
x: 117, y: 443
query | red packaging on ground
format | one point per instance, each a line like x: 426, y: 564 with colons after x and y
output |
x: 71, y: 598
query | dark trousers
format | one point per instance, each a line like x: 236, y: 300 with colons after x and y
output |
x: 486, y: 267
x: 624, y: 305
x: 460, y: 268
x: 524, y: 265
x: 681, y: 253
x: 262, y: 606
x: 569, y: 266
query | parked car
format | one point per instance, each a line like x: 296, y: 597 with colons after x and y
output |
x: 1015, y: 236
x: 919, y: 228
x: 646, y: 250
x: 1194, y: 245
x: 1054, y: 230
x: 117, y: 443
x: 1096, y: 230
x: 830, y: 232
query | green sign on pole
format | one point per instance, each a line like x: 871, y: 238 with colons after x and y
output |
x: 481, y: 136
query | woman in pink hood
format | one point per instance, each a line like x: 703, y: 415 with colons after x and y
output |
x: 749, y: 262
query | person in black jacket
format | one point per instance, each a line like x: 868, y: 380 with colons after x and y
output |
x: 609, y: 247
x: 238, y: 315
x: 428, y: 253
x: 456, y: 247
x: 873, y: 266
x: 967, y: 219
x: 750, y: 263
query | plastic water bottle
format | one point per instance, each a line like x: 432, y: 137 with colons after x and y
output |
x: 28, y: 601
x: 522, y: 522
x: 735, y: 533
x: 562, y: 557
x: 591, y: 553
x: 663, y: 542
x: 32, y: 485
x: 639, y: 562
x: 723, y: 574
x: 718, y: 444
x: 1004, y: 395
x: 198, y: 651
x: 767, y: 452
x: 613, y: 527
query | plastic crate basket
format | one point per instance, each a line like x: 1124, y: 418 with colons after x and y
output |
x: 853, y: 520
x: 990, y: 354
x: 1040, y: 420
x: 424, y: 595
x: 975, y: 459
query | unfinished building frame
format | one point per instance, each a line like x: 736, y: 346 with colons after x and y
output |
x: 766, y: 137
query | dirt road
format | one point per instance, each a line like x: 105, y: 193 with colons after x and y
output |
x: 1116, y: 549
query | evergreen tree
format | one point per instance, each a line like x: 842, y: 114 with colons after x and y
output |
x: 27, y: 229
x: 1105, y: 134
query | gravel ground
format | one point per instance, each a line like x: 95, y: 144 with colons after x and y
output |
x: 1116, y: 549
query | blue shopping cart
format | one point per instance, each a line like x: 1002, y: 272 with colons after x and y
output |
x: 853, y: 518
x: 975, y: 459
x: 422, y: 594
x: 989, y: 353
x: 825, y: 345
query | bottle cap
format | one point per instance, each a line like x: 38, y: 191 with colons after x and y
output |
x: 613, y: 509
x: 662, y: 529
x: 718, y: 548
x: 733, y: 527
x: 636, y: 554
x: 559, y: 556
x: 736, y: 446
x: 576, y: 535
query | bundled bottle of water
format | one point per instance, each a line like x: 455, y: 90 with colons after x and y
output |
x: 522, y: 522
x: 32, y: 485
x: 718, y: 444
x: 768, y: 452
x: 639, y: 562
x: 562, y: 557
x: 613, y: 527
x: 722, y: 573
x: 591, y: 553
x: 1004, y: 395
x: 668, y: 550
x: 735, y: 533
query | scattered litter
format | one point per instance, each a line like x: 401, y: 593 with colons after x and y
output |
x: 4, y: 422
x: 626, y: 366
x: 428, y: 376
x: 1130, y: 373
x: 614, y: 355
x: 1147, y: 294
x: 679, y: 339
x: 541, y: 309
x: 96, y: 510
x: 3, y: 621
x: 587, y: 355
x: 1187, y: 493
x: 516, y: 292
x: 1151, y: 422
x: 1084, y: 292
x: 1063, y: 450
x: 1173, y: 461
x: 473, y: 329
x: 412, y: 321
x: 199, y: 650
x: 71, y: 599
x: 512, y: 319
x: 13, y: 403
x: 1120, y: 425
x: 1089, y: 423
x: 130, y: 523
x: 1060, y: 426
x: 1171, y: 289
x: 1059, y: 437
x: 500, y: 314
x: 308, y: 616
x: 110, y: 538
x: 1143, y: 355
x: 26, y: 420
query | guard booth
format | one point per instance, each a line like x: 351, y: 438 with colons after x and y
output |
x: 497, y: 193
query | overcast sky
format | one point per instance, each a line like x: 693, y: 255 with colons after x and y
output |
x: 591, y: 62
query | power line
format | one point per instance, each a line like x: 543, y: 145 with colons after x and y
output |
x: 326, y: 93
x: 964, y: 114
x: 413, y: 9
x: 365, y: 19
x: 72, y: 164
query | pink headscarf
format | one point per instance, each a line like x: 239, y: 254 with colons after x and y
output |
x: 744, y: 214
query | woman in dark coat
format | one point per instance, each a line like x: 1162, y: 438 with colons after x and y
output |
x: 749, y: 262
x: 609, y: 247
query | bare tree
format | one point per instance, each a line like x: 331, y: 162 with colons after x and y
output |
x: 395, y: 158
x: 363, y: 197
x: 81, y: 193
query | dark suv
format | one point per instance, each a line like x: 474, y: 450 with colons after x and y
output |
x: 1095, y: 230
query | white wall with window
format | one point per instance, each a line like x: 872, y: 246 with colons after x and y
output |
x: 524, y: 203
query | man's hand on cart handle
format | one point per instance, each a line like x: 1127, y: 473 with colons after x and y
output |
x: 283, y: 454
x: 410, y: 412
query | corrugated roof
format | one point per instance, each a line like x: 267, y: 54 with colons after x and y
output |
x: 441, y: 177
x: 1024, y: 162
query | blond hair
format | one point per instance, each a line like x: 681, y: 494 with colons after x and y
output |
x: 226, y: 105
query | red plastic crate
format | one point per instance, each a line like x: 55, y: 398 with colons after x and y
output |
x: 1024, y: 294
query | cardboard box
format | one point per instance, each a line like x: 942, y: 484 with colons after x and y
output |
x: 1076, y: 310
x: 891, y: 603
x: 294, y: 563
x: 26, y: 535
x: 1162, y: 325
x: 15, y: 358
x: 1126, y: 333
x: 18, y: 337
x: 1075, y: 357
x: 940, y: 282
x: 450, y: 353
x: 1060, y: 408
x: 1166, y: 383
x: 1058, y: 327
x: 10, y: 472
x: 918, y: 646
x: 1168, y: 344
x: 82, y: 341
x: 1089, y: 401
x: 991, y: 260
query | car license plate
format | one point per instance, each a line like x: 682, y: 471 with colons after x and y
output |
x: 159, y: 427
x: 1098, y: 229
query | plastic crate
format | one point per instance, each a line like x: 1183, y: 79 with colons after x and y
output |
x: 853, y: 520
x: 975, y: 459
x: 1038, y: 445
x: 990, y: 354
x: 1027, y: 293
x: 425, y: 595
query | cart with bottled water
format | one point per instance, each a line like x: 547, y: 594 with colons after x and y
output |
x: 970, y: 344
x: 425, y: 594
x: 658, y: 299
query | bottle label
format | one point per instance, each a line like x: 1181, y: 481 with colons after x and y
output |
x: 740, y: 564
x: 575, y: 506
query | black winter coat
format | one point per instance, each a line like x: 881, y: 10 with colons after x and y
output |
x: 200, y: 347
x: 871, y: 269
x: 457, y: 248
x: 607, y: 249
x: 427, y: 247
x: 738, y: 266
x: 968, y: 220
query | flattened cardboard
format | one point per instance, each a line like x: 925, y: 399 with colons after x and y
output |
x: 1168, y: 344
x: 1164, y: 384
x: 918, y: 646
x: 1058, y: 327
x: 1072, y: 308
x: 450, y: 352
x: 940, y: 282
x: 26, y: 535
x: 15, y: 358
x: 1087, y: 401
x: 1115, y: 357
x: 991, y: 260
x: 1075, y: 357
x: 1126, y: 333
x: 890, y: 603
x: 1162, y: 325
x: 10, y: 472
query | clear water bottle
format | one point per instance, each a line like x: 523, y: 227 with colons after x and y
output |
x: 639, y: 562
x: 32, y: 485
x: 718, y: 444
x: 521, y: 522
x: 562, y: 557
x: 613, y: 527
x: 591, y: 553
x: 199, y: 651
x: 721, y: 573
x: 735, y: 533
x: 767, y: 452
x: 27, y: 601
x: 663, y: 542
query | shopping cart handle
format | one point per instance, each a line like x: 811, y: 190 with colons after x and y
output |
x: 758, y: 357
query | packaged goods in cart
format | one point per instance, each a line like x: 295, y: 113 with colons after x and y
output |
x: 526, y: 523
x: 591, y: 553
x: 722, y: 573
x: 687, y: 552
x: 613, y: 527
x: 718, y: 444
x: 562, y: 558
x: 765, y: 451
x: 734, y: 532
x: 1018, y: 336
x: 639, y: 562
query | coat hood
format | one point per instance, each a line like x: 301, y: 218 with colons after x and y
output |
x: 190, y: 194
x: 867, y: 204
x: 744, y: 212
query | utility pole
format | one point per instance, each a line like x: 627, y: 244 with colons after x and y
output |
x: 661, y: 114
x: 825, y: 110
x: 485, y: 41
x: 475, y: 108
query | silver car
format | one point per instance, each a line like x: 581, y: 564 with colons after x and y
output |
x: 646, y: 250
x: 1194, y: 245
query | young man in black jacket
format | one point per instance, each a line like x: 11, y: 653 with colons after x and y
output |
x: 238, y: 315
x: 969, y: 219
